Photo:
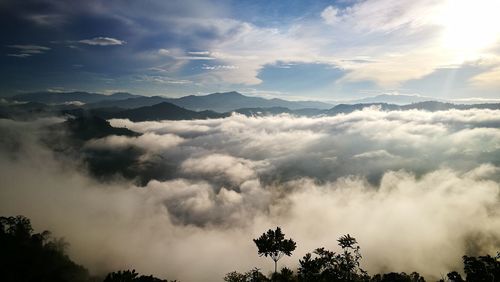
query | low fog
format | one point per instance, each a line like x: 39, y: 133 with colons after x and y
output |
x: 417, y: 190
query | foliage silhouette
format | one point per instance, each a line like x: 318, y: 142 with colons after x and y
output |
x: 397, y: 277
x: 253, y: 275
x: 455, y: 277
x: 478, y: 269
x: 285, y: 275
x: 235, y: 277
x: 130, y: 276
x: 28, y: 256
x: 330, y: 266
x: 273, y: 244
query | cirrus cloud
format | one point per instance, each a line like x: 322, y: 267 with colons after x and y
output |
x: 102, y: 41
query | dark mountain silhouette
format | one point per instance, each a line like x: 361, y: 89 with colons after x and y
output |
x: 104, y: 113
x: 141, y: 108
x: 163, y: 111
x: 441, y: 106
x: 26, y: 111
x: 69, y: 138
x: 130, y: 103
x: 399, y: 99
x: 278, y: 110
x: 219, y: 102
x: 346, y: 108
x: 67, y: 97
x: 263, y: 111
x: 168, y: 111
x: 431, y: 106
x: 491, y: 106
x: 86, y: 128
x: 230, y: 101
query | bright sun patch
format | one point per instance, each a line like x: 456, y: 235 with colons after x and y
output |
x: 470, y: 27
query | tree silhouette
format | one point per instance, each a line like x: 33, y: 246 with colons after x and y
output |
x: 273, y: 244
x: 28, y: 256
x: 253, y: 275
x: 351, y: 257
x: 483, y: 268
x: 130, y: 276
x: 330, y: 266
x: 285, y: 275
x: 397, y: 277
x: 455, y: 277
x: 478, y: 269
x: 235, y: 277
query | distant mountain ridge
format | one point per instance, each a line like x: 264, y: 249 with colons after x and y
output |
x: 164, y: 111
x: 398, y: 99
x: 168, y: 111
x: 142, y: 108
x: 129, y: 103
x: 229, y: 101
x: 68, y: 97
x: 219, y: 102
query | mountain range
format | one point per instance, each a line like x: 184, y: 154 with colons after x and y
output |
x: 398, y: 99
x: 217, y: 105
x: 218, y: 102
x: 70, y: 97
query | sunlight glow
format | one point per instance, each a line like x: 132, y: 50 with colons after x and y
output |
x: 469, y: 27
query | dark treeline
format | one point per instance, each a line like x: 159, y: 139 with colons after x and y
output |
x: 27, y: 256
x: 323, y: 265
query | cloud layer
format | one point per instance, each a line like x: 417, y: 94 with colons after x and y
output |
x: 403, y: 183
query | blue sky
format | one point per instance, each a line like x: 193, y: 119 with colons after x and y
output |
x: 326, y: 50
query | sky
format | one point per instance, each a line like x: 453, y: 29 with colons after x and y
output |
x: 320, y: 50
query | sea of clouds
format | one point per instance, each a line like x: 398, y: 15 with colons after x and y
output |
x: 417, y: 189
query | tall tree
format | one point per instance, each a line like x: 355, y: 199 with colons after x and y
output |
x: 273, y: 244
x: 351, y: 257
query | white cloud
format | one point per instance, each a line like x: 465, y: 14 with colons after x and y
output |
x: 148, y: 141
x: 219, y: 67
x: 102, y: 41
x: 194, y: 58
x: 27, y: 50
x: 51, y: 20
x: 374, y: 154
x: 490, y: 79
x: 164, y: 51
x: 199, y: 53
x: 161, y: 79
x: 237, y: 170
x: 19, y: 55
x: 331, y: 15
x: 32, y: 49
x: 385, y: 15
x: 403, y: 40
